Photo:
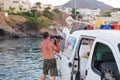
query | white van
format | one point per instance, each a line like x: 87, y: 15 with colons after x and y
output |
x: 91, y: 55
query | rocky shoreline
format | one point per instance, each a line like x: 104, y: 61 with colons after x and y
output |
x: 14, y: 27
x: 6, y: 34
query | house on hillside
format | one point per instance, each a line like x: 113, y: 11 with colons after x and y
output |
x: 115, y: 17
x: 115, y: 14
x: 48, y: 5
x: 16, y: 5
x: 89, y: 13
x: 66, y: 10
x: 42, y: 6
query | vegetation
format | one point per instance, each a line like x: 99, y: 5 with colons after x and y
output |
x: 38, y: 4
x: 47, y: 13
x: 57, y: 11
x: 37, y: 23
x: 0, y: 9
x: 35, y: 8
x: 20, y: 8
x: 43, y: 22
x: 107, y: 14
x: 75, y: 12
x: 11, y: 11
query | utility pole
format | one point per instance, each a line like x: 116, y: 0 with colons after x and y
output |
x: 75, y: 10
x: 75, y: 7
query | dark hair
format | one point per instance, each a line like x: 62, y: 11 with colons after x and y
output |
x: 45, y: 35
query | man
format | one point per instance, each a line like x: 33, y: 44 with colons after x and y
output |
x: 49, y: 63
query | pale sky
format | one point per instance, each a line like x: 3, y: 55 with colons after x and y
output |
x: 114, y: 3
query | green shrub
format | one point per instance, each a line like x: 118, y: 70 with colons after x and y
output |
x: 37, y: 23
x: 57, y: 11
x: 107, y: 14
x: 43, y: 22
x: 32, y: 23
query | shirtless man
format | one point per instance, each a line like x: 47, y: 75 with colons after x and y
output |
x: 49, y: 63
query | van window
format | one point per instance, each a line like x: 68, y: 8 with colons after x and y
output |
x: 85, y: 48
x: 69, y: 46
x: 84, y: 51
x: 103, y: 61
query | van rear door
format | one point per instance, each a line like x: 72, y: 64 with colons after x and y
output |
x: 80, y: 58
x: 70, y: 46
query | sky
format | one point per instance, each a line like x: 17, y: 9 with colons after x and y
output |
x: 114, y: 3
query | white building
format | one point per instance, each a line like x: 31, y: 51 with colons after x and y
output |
x: 67, y: 10
x: 90, y: 12
x: 108, y: 20
x: 25, y: 5
x: 115, y: 14
x: 42, y: 6
x: 16, y: 4
x: 60, y: 8
x: 48, y: 5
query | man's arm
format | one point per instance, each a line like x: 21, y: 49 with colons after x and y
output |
x: 57, y: 46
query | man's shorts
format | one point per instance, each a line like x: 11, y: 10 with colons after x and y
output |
x: 50, y: 65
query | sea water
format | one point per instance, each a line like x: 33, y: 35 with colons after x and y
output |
x: 21, y: 59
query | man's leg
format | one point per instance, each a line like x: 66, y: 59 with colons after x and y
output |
x: 52, y: 78
x: 43, y: 77
x: 46, y: 67
x: 53, y: 70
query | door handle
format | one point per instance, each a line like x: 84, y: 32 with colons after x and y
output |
x: 86, y: 72
x: 70, y: 64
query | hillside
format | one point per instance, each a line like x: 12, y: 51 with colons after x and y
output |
x: 59, y: 20
x: 14, y: 26
x: 88, y: 4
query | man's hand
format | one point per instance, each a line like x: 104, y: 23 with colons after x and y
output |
x: 57, y: 40
x: 57, y: 43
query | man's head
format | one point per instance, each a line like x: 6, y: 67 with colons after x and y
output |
x: 46, y: 35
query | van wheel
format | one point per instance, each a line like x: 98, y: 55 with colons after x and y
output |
x: 77, y: 77
x: 81, y: 79
x: 71, y: 78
